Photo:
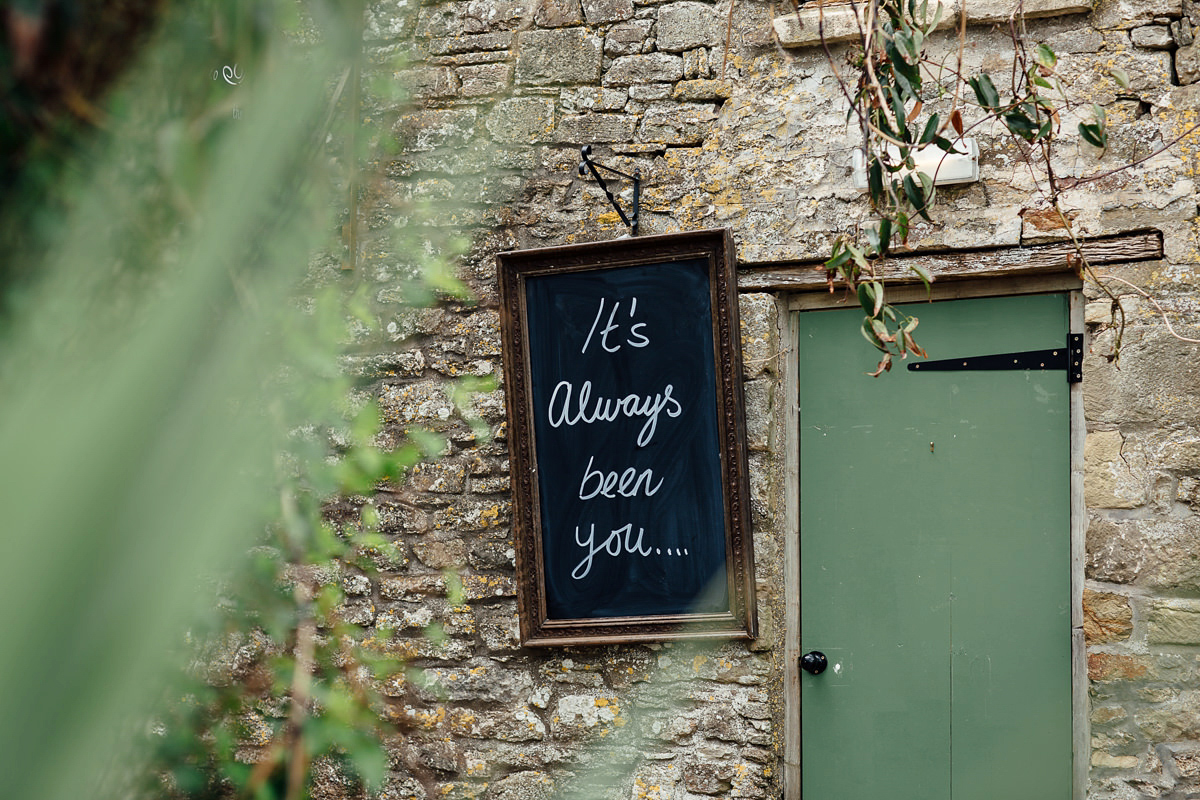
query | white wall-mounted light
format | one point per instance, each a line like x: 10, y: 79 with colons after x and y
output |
x: 945, y: 168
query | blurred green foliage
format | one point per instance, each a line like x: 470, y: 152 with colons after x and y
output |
x: 170, y: 384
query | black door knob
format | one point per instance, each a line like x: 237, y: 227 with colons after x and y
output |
x: 814, y: 663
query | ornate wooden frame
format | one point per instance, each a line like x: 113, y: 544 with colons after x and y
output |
x: 537, y: 629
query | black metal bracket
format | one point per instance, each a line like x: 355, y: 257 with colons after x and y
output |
x: 636, y: 177
x: 1069, y: 358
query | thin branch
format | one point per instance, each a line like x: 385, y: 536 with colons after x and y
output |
x: 1162, y: 312
x: 1071, y: 183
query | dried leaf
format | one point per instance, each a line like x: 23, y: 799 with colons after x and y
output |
x: 885, y: 364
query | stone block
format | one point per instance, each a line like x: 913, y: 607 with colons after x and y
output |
x: 472, y: 16
x: 684, y: 124
x: 1186, y: 763
x: 1173, y: 622
x: 601, y: 12
x: 1127, y: 14
x: 558, y: 13
x: 433, y: 82
x: 578, y: 714
x: 567, y: 55
x: 696, y: 64
x: 487, y: 587
x: 498, y: 627
x: 700, y: 90
x: 441, y: 554
x: 1107, y: 617
x: 1180, y: 451
x: 479, y: 681
x: 586, y: 128
x: 521, y: 120
x: 438, y: 477
x: 411, y: 588
x: 1158, y: 379
x: 1104, y: 667
x: 839, y: 23
x: 1173, y: 720
x: 758, y: 321
x: 1076, y: 40
x: 649, y: 92
x: 648, y: 68
x: 706, y: 777
x: 1110, y: 761
x: 432, y: 128
x: 1107, y: 480
x: 389, y: 20
x: 627, y: 38
x: 1188, y: 491
x: 422, y: 403
x: 471, y: 43
x: 1154, y: 37
x: 469, y: 515
x: 759, y: 408
x: 1161, y: 554
x: 484, y: 79
x: 1181, y: 32
x: 1187, y: 64
x: 528, y: 785
x: 356, y: 585
x: 592, y: 98
x: 687, y: 25
x: 1108, y: 715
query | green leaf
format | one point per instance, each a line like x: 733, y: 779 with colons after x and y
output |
x: 885, y: 234
x: 840, y: 256
x: 880, y: 329
x: 916, y: 196
x: 1020, y: 125
x: 1045, y: 56
x: 1120, y: 76
x: 925, y: 277
x: 1101, y: 117
x: 1093, y: 135
x: 877, y: 291
x: 872, y: 235
x: 869, y: 334
x: 945, y: 145
x: 898, y: 110
x: 937, y: 17
x: 875, y: 180
x: 930, y: 131
x: 866, y: 298
x: 985, y: 91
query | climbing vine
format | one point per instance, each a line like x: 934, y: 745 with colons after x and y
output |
x: 891, y: 78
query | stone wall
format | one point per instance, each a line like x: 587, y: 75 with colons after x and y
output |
x: 729, y: 127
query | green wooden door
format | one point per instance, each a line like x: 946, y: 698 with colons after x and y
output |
x: 935, y: 561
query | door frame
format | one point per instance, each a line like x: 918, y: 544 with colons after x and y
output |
x: 789, y: 306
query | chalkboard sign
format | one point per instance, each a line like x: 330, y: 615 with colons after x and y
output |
x: 623, y: 382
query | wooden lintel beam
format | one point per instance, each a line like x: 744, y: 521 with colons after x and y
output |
x: 1009, y: 261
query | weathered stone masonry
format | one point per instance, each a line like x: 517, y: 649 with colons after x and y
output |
x: 730, y: 127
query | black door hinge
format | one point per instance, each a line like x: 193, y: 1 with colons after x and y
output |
x: 1069, y: 358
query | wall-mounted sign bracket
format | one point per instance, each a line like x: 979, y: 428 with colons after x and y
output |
x: 636, y: 177
x: 1069, y: 358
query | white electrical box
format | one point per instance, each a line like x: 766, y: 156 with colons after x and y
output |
x: 945, y: 168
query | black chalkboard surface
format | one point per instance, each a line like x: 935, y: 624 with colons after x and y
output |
x: 623, y: 375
